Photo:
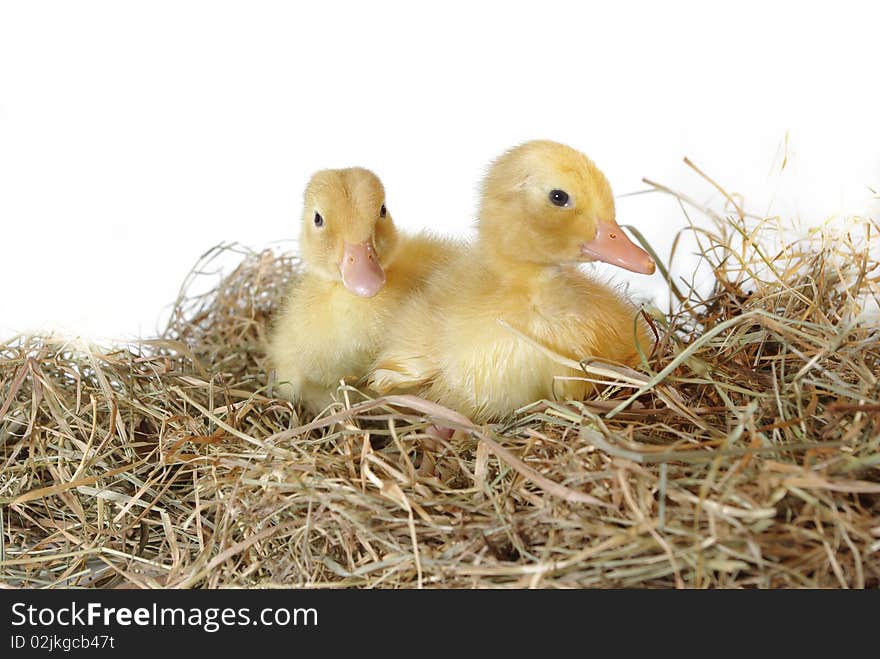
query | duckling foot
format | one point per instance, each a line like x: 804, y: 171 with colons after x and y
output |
x: 440, y: 432
x: 433, y: 442
x: 427, y: 467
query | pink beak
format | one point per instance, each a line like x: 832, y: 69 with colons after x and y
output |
x: 360, y: 269
x: 612, y: 245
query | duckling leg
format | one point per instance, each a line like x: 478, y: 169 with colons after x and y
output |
x: 430, y: 445
x: 287, y: 385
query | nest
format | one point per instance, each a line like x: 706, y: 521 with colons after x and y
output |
x: 743, y: 452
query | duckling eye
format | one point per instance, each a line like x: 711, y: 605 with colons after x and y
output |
x: 559, y: 197
x: 319, y: 221
x: 383, y: 211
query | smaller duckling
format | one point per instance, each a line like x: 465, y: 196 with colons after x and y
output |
x: 357, y: 270
x: 545, y: 208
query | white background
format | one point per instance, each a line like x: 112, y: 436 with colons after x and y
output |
x: 134, y: 136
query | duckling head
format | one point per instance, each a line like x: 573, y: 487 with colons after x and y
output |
x: 546, y: 203
x: 347, y: 233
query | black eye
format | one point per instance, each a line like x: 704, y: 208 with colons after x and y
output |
x: 383, y: 211
x: 559, y: 197
x: 319, y: 221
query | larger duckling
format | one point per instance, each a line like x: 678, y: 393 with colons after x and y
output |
x: 545, y: 208
x: 357, y: 271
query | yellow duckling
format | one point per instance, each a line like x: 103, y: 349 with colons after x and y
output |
x: 545, y: 208
x: 357, y: 271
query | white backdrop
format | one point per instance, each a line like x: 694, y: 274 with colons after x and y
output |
x: 133, y: 136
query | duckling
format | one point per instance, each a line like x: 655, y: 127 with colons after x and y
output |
x: 357, y: 271
x: 545, y: 208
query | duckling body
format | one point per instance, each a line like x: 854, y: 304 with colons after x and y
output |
x: 357, y: 272
x: 447, y: 343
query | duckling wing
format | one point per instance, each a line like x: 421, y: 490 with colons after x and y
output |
x: 406, y: 363
x: 401, y: 371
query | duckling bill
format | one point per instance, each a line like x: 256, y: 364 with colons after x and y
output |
x: 360, y: 269
x: 612, y: 245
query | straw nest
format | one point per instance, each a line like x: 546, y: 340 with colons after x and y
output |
x: 743, y: 452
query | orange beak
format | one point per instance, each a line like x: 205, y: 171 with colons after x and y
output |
x: 612, y: 245
x: 360, y: 269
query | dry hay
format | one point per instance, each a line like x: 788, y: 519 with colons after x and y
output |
x: 744, y: 454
